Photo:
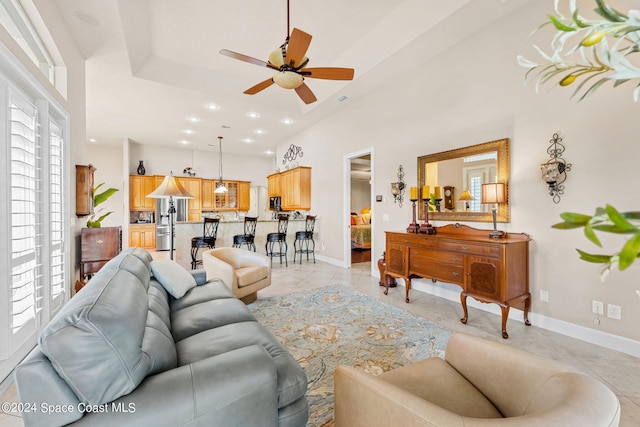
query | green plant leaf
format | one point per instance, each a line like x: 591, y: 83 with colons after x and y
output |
x: 630, y: 251
x: 559, y: 25
x: 608, y: 12
x: 99, y: 198
x: 597, y: 259
x: 575, y: 218
x: 566, y: 226
x: 591, y: 235
x: 619, y: 221
x: 612, y: 228
x: 579, y: 22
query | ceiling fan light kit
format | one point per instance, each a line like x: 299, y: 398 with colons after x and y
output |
x: 289, y: 60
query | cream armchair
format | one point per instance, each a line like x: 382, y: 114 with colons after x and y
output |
x: 478, y: 382
x: 244, y: 272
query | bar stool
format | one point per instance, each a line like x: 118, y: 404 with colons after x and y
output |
x: 303, y: 238
x: 248, y: 238
x: 280, y: 238
x: 207, y: 240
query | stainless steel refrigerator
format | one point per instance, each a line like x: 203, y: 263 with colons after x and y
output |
x: 163, y: 227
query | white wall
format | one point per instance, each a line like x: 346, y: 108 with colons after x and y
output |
x: 109, y: 165
x: 471, y: 94
x: 163, y: 160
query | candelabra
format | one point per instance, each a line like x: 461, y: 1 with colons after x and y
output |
x: 413, y: 227
x: 427, y: 228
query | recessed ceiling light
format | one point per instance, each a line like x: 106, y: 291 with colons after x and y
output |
x: 259, y: 131
x: 253, y: 115
x: 342, y: 98
x: 287, y: 121
x: 268, y: 152
x: 225, y: 127
x: 213, y: 107
x: 184, y: 142
x: 92, y: 140
x: 188, y: 131
x: 193, y: 119
x: 248, y: 140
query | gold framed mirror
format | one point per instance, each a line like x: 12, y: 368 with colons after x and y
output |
x: 462, y: 172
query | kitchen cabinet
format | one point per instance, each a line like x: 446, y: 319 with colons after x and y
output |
x: 193, y: 186
x: 207, y: 202
x: 273, y: 185
x: 139, y: 187
x: 142, y: 235
x: 235, y: 199
x: 295, y: 189
x: 489, y: 270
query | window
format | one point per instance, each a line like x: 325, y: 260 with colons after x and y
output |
x: 34, y: 223
x: 15, y: 20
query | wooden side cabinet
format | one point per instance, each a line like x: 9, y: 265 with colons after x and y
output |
x: 489, y: 270
x: 84, y: 187
x: 97, y: 246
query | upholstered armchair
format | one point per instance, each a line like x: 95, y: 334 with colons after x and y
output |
x: 479, y: 383
x: 244, y: 272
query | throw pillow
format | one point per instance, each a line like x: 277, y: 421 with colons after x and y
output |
x: 175, y: 279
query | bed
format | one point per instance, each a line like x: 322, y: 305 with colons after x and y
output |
x: 360, y: 232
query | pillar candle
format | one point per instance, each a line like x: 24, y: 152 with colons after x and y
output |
x: 425, y: 192
x: 438, y: 194
x: 413, y: 192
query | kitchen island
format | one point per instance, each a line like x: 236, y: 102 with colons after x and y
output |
x: 185, y: 231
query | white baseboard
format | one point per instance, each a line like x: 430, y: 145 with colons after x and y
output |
x: 604, y: 339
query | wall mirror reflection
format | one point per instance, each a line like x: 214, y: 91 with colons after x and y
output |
x: 455, y: 177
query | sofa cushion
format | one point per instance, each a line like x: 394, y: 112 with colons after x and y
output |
x: 250, y: 275
x: 292, y: 381
x: 175, y: 279
x: 207, y: 315
x: 212, y: 290
x: 94, y: 342
x: 436, y: 381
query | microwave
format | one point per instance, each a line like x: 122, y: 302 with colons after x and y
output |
x: 275, y: 203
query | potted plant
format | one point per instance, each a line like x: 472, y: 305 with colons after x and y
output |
x: 98, y: 199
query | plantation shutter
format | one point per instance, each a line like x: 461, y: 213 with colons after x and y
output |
x: 25, y: 220
x: 56, y: 219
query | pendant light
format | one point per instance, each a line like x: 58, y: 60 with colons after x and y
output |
x: 220, y: 188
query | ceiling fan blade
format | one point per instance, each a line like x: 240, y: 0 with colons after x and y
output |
x: 246, y: 58
x: 328, y: 73
x: 260, y: 86
x: 296, y: 48
x: 305, y: 94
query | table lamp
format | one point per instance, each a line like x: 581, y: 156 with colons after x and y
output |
x: 494, y: 193
x: 170, y: 189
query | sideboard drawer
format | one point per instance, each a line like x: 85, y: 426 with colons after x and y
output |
x: 425, y: 267
x: 465, y: 248
x: 429, y: 255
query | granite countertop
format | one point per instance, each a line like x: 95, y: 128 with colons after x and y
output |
x: 233, y: 221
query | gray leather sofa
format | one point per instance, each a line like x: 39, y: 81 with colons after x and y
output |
x: 123, y: 351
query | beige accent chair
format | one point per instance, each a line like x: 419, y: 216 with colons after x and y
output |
x: 244, y: 272
x: 477, y: 382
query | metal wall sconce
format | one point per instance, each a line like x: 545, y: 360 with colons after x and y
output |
x: 554, y: 171
x: 397, y: 188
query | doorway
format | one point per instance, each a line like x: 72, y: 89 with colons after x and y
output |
x: 358, y: 247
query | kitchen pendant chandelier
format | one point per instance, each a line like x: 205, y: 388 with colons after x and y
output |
x: 220, y: 188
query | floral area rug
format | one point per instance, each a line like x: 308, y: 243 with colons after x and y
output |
x: 335, y: 325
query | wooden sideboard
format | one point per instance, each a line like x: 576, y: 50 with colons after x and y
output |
x: 489, y: 270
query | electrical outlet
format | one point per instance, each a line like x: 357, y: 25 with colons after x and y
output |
x: 614, y: 311
x: 544, y: 296
x: 597, y: 307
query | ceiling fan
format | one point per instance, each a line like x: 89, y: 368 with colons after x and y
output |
x: 290, y: 62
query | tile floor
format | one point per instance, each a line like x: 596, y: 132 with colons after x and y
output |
x: 619, y: 371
